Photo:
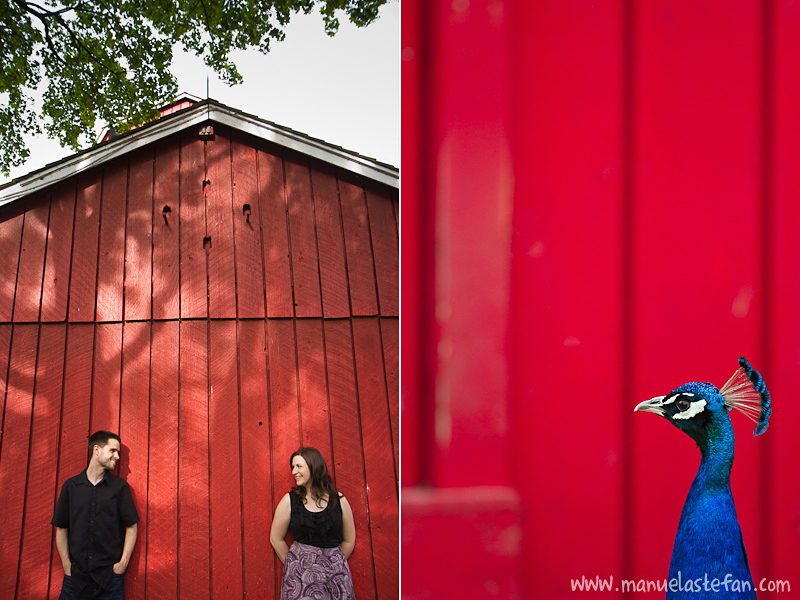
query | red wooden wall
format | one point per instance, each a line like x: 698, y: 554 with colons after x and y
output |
x: 648, y: 242
x: 213, y: 364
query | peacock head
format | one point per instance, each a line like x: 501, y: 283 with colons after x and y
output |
x: 694, y: 405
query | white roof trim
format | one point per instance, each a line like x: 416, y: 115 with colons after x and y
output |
x: 196, y: 115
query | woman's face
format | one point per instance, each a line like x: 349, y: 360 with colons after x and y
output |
x: 300, y: 471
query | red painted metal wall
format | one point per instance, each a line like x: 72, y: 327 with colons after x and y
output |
x: 213, y: 364
x: 650, y: 243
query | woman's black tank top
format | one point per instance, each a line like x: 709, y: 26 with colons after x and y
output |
x: 321, y: 529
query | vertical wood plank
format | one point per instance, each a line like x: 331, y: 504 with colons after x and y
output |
x: 782, y: 329
x: 5, y: 348
x: 348, y: 450
x: 194, y: 517
x: 83, y: 270
x: 247, y: 230
x: 380, y: 468
x: 277, y: 262
x: 568, y: 148
x: 194, y: 286
x: 31, y: 258
x: 106, y: 376
x: 385, y: 246
x: 5, y: 376
x: 55, y: 289
x: 467, y: 197
x: 139, y: 237
x: 314, y: 410
x: 166, y: 237
x: 390, y: 335
x: 16, y: 446
x: 10, y: 239
x: 257, y: 497
x: 302, y: 236
x: 413, y: 154
x: 224, y: 450
x: 111, y: 260
x: 75, y: 420
x: 34, y: 574
x: 284, y: 411
x: 221, y: 263
x: 360, y: 268
x: 162, y: 497
x: 693, y: 162
x: 333, y: 277
x: 134, y: 430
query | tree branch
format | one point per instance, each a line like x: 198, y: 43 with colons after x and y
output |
x: 45, y: 16
x: 42, y: 11
x: 42, y: 16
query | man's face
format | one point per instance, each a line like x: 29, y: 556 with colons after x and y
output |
x: 109, y: 454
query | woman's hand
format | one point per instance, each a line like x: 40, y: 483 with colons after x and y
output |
x: 280, y: 526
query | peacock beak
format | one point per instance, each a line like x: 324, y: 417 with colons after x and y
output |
x: 653, y: 405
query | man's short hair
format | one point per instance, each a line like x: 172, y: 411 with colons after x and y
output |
x: 100, y: 438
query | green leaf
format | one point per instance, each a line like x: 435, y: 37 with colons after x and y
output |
x: 108, y: 60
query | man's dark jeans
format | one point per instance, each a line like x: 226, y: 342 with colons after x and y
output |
x: 92, y: 592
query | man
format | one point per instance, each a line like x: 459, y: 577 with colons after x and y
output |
x: 96, y: 525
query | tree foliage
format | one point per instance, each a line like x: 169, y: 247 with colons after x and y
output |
x: 110, y: 59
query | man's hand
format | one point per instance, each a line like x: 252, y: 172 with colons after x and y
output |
x: 127, y: 549
x: 62, y: 544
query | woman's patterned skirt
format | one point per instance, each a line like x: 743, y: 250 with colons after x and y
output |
x: 312, y: 573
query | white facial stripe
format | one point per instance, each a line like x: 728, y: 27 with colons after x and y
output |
x: 696, y: 407
x: 674, y: 397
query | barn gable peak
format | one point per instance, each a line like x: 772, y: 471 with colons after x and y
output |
x: 181, y: 101
x: 187, y: 113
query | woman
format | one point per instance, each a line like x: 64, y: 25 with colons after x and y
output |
x: 323, y: 530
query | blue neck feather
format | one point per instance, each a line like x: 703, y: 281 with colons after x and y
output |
x: 708, y: 545
x: 716, y: 454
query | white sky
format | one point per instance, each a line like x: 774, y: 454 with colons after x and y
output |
x: 344, y: 89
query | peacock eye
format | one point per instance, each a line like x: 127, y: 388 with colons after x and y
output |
x: 682, y: 404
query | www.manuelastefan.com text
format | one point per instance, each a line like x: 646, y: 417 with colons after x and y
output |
x: 678, y: 584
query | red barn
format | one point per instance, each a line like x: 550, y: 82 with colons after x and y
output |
x: 220, y: 290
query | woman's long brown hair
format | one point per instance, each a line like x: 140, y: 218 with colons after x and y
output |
x: 320, y: 481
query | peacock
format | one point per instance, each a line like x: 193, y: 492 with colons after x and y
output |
x: 709, y: 559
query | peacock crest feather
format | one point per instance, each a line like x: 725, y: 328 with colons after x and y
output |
x: 746, y: 392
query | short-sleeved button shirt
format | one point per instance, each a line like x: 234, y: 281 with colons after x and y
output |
x: 96, y: 516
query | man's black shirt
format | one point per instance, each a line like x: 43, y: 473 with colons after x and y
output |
x: 96, y: 517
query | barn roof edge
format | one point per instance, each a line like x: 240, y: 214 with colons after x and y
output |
x: 195, y: 115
